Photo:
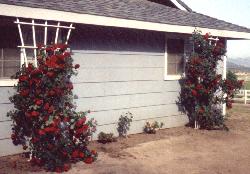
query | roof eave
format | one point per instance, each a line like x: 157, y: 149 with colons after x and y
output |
x: 55, y: 15
x: 181, y: 5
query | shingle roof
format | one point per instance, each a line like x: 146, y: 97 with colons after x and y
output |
x: 141, y: 10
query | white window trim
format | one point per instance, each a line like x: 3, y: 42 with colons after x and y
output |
x: 172, y: 77
x: 8, y: 82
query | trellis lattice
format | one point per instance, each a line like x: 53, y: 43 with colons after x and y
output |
x: 33, y: 24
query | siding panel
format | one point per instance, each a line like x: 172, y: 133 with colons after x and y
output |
x: 139, y: 113
x: 108, y: 59
x: 7, y: 148
x: 3, y: 111
x: 126, y: 101
x: 5, y: 129
x: 113, y: 74
x: 123, y: 88
x: 5, y: 93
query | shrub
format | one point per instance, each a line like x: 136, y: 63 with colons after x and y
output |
x: 106, y: 138
x: 151, y: 128
x: 124, y: 124
x: 44, y: 120
x: 203, y: 91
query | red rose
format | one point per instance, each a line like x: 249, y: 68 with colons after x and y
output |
x: 52, y: 92
x: 83, y: 129
x: 67, y: 54
x: 81, y: 154
x: 194, y: 93
x: 50, y: 74
x: 75, y: 154
x: 66, y: 167
x: 58, y: 91
x: 66, y: 119
x: 34, y: 140
x: 36, y: 72
x: 24, y: 92
x: 39, y: 102
x: 50, y: 129
x: 80, y: 122
x: 23, y: 78
x: 88, y: 160
x: 51, y: 109
x: 58, y: 170
x: 77, y: 66
x: 206, y: 36
x: 41, y: 132
x: 46, y: 106
x: 199, y: 87
x: 61, y: 57
x: 60, y: 46
x: 35, y: 114
x: 30, y: 67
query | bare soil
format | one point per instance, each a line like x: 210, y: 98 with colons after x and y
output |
x: 170, y: 151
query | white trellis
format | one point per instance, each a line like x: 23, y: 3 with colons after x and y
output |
x: 33, y: 24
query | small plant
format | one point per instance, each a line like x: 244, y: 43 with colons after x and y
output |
x: 151, y: 128
x: 124, y: 124
x: 106, y: 138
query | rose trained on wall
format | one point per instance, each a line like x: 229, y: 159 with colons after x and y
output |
x: 44, y: 120
x: 203, y: 91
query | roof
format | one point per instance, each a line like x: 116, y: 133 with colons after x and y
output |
x: 139, y: 10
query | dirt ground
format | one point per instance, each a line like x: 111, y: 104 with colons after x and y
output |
x: 171, y: 151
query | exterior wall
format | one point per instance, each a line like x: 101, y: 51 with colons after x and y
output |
x: 124, y: 73
x: 121, y: 70
x: 6, y: 146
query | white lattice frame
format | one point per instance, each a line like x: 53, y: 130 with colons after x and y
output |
x: 23, y: 47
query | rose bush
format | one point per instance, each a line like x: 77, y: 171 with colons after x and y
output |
x: 203, y: 91
x: 44, y: 120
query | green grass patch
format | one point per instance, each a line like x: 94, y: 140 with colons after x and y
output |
x: 247, y: 85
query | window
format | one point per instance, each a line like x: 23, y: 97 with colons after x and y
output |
x: 9, y: 53
x: 174, y: 59
x: 28, y: 33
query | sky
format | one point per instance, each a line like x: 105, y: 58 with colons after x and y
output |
x: 234, y: 11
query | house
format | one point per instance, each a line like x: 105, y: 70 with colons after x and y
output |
x: 131, y: 54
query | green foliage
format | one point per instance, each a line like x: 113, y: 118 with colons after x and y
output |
x: 124, y: 124
x: 202, y: 89
x: 44, y: 119
x: 106, y: 138
x: 151, y: 128
x: 231, y: 76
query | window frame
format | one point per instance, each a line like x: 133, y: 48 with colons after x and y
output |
x: 177, y: 76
